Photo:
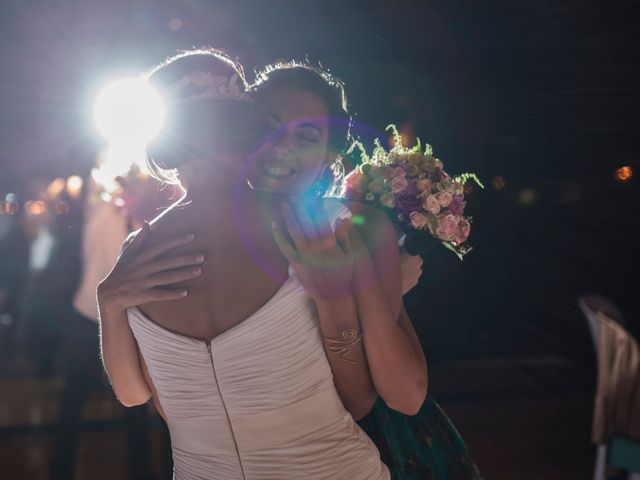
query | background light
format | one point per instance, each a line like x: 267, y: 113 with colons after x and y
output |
x: 129, y: 112
x: 624, y: 174
x: 74, y: 186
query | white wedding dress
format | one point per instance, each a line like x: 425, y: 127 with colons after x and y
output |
x: 258, y: 402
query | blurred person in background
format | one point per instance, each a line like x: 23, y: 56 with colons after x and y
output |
x: 13, y: 272
x: 52, y: 266
x: 109, y: 215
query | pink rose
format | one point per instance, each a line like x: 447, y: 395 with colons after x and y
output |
x: 409, y: 201
x: 463, y: 230
x: 447, y: 227
x: 398, y: 184
x: 388, y: 200
x: 432, y: 204
x: 437, y: 175
x: 418, y: 220
x: 412, y: 170
x: 398, y: 171
x: 424, y: 185
x: 445, y: 199
x: 388, y: 172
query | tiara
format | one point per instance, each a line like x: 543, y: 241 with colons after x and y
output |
x: 209, y: 87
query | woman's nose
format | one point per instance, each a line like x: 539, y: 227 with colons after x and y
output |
x: 282, y: 151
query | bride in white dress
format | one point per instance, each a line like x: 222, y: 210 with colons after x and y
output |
x: 281, y: 326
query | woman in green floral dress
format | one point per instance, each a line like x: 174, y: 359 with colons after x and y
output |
x: 425, y: 446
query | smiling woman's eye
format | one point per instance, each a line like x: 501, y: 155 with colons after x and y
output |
x: 308, y: 135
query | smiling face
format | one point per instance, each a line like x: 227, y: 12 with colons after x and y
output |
x: 296, y: 149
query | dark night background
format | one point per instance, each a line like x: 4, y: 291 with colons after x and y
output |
x: 542, y: 93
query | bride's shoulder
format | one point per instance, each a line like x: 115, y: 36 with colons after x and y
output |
x: 172, y: 221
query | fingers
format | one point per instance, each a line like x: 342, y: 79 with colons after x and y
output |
x: 357, y: 243
x: 171, y: 263
x: 140, y: 237
x: 343, y: 236
x: 293, y: 227
x: 304, y: 218
x: 319, y: 217
x: 173, y: 276
x: 284, y: 245
x: 165, y: 246
x: 160, y: 295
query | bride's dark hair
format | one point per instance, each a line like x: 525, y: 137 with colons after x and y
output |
x: 329, y: 89
x: 165, y: 154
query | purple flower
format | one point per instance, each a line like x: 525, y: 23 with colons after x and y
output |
x: 437, y: 175
x: 409, y: 201
x: 457, y: 205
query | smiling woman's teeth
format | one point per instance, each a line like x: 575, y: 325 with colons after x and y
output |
x: 278, y: 171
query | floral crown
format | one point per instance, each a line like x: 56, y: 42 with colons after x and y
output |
x: 205, y: 86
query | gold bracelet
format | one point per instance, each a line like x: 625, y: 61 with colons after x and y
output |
x: 343, y: 346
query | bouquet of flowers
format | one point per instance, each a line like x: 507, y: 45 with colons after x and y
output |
x: 410, y: 184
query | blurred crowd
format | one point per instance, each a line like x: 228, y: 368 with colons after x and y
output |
x: 56, y: 244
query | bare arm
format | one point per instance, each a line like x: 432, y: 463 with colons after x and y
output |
x: 396, y: 360
x: 338, y: 273
x: 324, y: 268
x: 121, y: 360
x: 137, y: 278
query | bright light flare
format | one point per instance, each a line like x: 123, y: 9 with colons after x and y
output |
x: 129, y: 111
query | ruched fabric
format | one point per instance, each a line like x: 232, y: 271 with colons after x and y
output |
x: 258, y: 402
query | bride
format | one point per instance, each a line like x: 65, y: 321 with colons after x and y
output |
x: 282, y: 328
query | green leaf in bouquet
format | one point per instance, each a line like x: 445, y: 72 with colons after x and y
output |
x: 357, y: 144
x: 459, y: 250
x: 397, y: 138
x: 428, y: 150
x: 465, y: 177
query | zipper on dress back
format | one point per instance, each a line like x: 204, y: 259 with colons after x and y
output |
x: 226, y: 411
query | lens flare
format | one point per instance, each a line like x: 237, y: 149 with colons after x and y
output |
x: 129, y: 111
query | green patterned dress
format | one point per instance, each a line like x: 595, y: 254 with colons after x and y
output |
x: 425, y: 446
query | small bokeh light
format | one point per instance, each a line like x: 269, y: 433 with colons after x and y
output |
x: 55, y: 188
x: 35, y: 207
x: 74, y: 186
x: 499, y: 183
x: 624, y: 173
x: 9, y: 206
x: 527, y: 196
x: 175, y: 24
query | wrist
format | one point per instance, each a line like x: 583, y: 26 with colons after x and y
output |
x: 107, y: 303
x: 331, y: 303
x: 337, y: 314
